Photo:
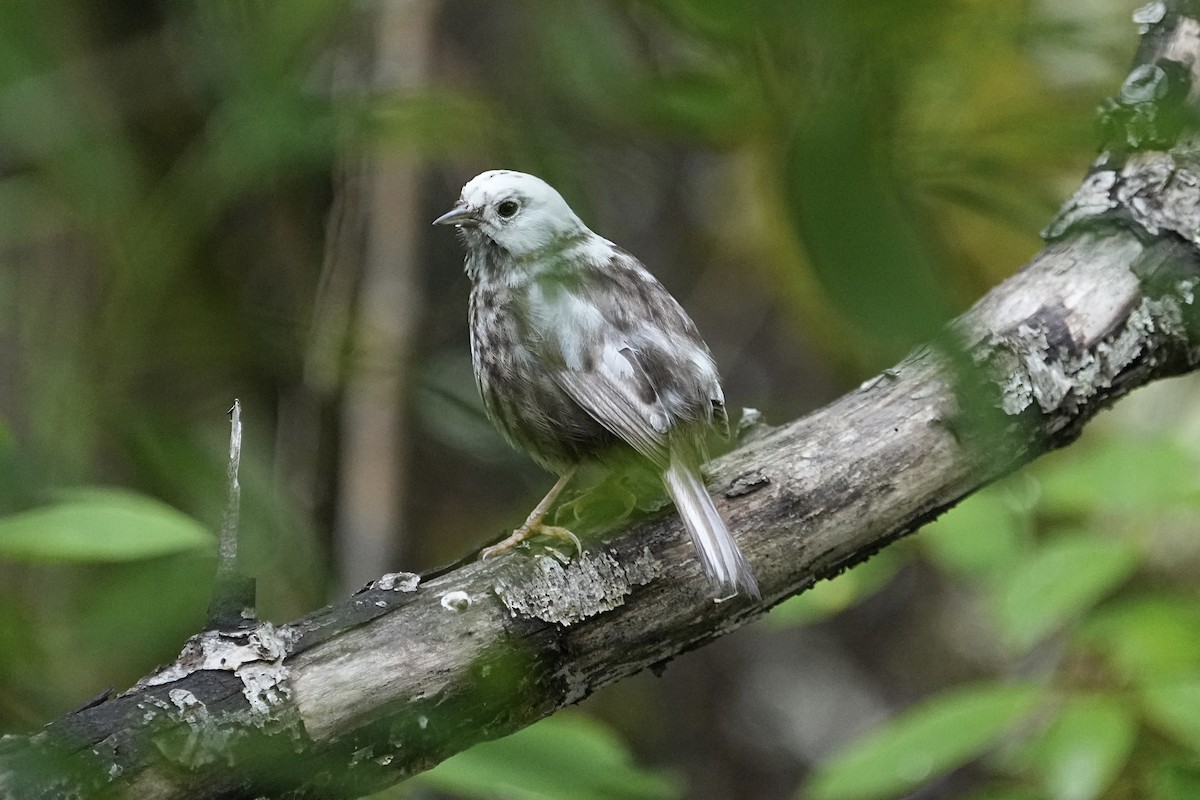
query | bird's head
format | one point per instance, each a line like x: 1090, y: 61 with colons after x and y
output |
x: 519, y: 213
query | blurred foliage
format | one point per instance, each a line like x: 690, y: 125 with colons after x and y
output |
x: 943, y: 733
x: 1088, y: 598
x: 823, y: 184
x: 567, y: 755
x: 97, y: 525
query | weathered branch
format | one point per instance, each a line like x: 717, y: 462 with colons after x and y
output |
x: 412, y: 670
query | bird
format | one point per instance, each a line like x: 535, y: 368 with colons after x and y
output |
x: 579, y: 351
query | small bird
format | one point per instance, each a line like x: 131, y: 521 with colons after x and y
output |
x: 577, y: 349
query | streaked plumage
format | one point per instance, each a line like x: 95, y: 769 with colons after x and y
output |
x: 577, y: 348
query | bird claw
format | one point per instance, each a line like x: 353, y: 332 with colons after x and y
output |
x: 565, y: 535
x: 527, y: 532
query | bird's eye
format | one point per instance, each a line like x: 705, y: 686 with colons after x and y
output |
x: 507, y: 208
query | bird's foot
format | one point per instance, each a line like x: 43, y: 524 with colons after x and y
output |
x: 528, y: 531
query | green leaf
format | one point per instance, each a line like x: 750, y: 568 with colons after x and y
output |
x: 937, y: 736
x: 1064, y: 577
x: 567, y: 755
x: 1175, y: 708
x: 1083, y: 751
x: 100, y: 524
x: 1147, y: 638
x: 980, y: 535
x: 1129, y: 475
x: 1175, y: 780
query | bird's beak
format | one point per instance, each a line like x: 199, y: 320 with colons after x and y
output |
x: 461, y: 214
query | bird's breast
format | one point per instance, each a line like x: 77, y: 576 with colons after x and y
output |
x: 514, y: 352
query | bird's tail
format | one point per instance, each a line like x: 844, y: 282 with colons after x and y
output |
x: 719, y: 553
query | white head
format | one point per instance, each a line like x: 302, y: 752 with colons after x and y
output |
x: 520, y: 213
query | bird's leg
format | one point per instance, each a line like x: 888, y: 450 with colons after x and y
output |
x: 533, y: 523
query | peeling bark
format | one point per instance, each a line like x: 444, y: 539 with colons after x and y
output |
x: 411, y: 670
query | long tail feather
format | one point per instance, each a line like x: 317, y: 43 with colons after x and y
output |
x: 719, y: 553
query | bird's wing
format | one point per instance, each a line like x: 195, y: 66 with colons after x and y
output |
x: 628, y: 354
x: 618, y: 394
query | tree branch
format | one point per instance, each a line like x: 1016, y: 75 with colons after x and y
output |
x: 411, y: 670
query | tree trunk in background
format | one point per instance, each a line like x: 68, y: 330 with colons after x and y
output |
x: 369, y: 498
